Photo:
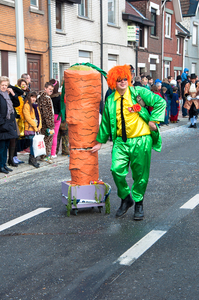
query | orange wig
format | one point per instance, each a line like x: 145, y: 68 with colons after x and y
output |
x: 118, y: 73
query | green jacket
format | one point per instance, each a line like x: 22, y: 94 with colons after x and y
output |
x: 109, y: 123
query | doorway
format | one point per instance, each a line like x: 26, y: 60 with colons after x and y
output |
x: 34, y: 70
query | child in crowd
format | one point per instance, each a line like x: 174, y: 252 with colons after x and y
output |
x: 155, y: 90
x: 33, y: 123
x: 174, y: 106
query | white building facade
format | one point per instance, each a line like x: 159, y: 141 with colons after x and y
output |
x: 78, y: 35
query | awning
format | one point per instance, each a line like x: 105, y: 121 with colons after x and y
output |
x: 132, y: 18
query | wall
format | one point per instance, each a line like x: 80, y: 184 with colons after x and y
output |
x: 84, y: 34
x: 154, y: 49
x: 170, y: 44
x: 193, y: 50
x: 35, y: 33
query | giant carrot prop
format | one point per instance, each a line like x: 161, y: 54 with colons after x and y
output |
x: 83, y: 95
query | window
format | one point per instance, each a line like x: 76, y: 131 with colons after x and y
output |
x: 34, y: 3
x: 166, y: 69
x: 178, y: 45
x: 194, y: 35
x: 153, y: 18
x: 112, y: 61
x: 84, y: 56
x: 83, y: 8
x: 186, y: 47
x: 59, y: 15
x: 55, y: 71
x: 175, y: 75
x: 62, y: 68
x: 141, y: 36
x: 168, y: 26
x: 111, y: 11
x: 193, y: 68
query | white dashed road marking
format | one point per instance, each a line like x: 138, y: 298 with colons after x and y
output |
x: 23, y: 218
x: 192, y: 203
x: 140, y: 247
x: 133, y: 253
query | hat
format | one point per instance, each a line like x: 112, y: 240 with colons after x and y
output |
x: 193, y: 76
x: 157, y: 80
x: 173, y: 82
x: 179, y: 77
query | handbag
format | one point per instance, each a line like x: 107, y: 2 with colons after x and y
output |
x: 38, y: 145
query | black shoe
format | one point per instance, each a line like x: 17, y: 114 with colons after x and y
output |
x: 3, y: 170
x: 194, y: 126
x: 33, y: 161
x: 139, y: 212
x: 8, y: 169
x: 125, y: 205
x: 12, y: 163
x: 191, y: 126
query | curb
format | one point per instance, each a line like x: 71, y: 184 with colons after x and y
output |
x: 22, y: 168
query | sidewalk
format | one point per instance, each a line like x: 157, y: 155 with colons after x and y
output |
x: 22, y: 168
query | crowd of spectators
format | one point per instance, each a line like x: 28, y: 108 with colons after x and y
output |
x: 24, y: 113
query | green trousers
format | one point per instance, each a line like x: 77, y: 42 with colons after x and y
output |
x: 136, y: 153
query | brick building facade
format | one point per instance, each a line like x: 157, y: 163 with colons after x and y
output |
x: 174, y: 36
x: 150, y: 54
x: 36, y: 41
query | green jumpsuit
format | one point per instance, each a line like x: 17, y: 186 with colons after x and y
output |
x: 135, y: 152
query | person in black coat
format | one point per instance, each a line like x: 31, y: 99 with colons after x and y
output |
x: 8, y: 128
x: 169, y: 93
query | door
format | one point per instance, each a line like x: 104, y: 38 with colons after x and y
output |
x: 34, y: 70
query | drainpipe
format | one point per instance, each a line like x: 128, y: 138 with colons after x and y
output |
x: 136, y: 58
x: 101, y: 45
x: 50, y: 39
x: 183, y: 53
x: 163, y: 8
x: 20, y: 38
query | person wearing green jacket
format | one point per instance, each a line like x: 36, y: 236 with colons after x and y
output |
x: 134, y: 134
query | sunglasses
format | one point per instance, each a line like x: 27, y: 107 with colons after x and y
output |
x: 120, y: 80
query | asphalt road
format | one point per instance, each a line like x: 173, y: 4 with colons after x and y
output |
x: 52, y: 256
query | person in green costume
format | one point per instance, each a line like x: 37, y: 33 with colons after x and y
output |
x: 134, y: 133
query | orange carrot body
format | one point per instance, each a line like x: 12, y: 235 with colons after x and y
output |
x: 83, y: 95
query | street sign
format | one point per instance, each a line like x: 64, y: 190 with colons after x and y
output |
x: 131, y: 33
x: 137, y: 33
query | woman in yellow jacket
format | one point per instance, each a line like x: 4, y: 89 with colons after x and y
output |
x: 33, y: 123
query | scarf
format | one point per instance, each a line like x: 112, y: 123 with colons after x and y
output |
x: 10, y: 109
x: 35, y: 105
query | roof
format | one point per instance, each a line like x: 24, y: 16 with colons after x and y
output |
x: 182, y: 31
x: 189, y: 7
x: 134, y: 15
x: 130, y: 9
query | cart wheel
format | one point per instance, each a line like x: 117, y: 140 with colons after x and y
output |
x: 76, y: 211
x: 100, y: 209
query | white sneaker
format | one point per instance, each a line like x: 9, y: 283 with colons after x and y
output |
x: 54, y: 156
x: 48, y: 160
